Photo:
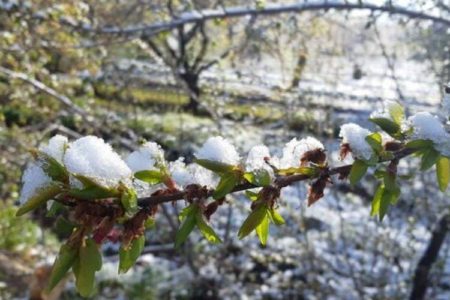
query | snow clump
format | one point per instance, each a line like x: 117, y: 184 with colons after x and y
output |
x: 355, y: 136
x: 147, y: 157
x: 220, y: 150
x: 294, y: 150
x: 90, y: 156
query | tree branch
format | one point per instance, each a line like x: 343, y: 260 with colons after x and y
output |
x: 280, y: 182
x: 46, y: 89
x: 269, y: 9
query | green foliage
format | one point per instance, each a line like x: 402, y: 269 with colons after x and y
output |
x: 149, y: 176
x: 390, y: 127
x: 128, y: 256
x: 262, y: 230
x: 375, y: 141
x: 443, y: 172
x: 53, y: 168
x: 259, y: 220
x: 397, y: 113
x: 189, y: 217
x: 206, y: 230
x: 429, y: 158
x: 64, y: 261
x: 39, y: 198
x: 275, y: 217
x: 253, y: 220
x: 89, y: 261
x: 192, y: 216
x: 128, y: 199
x: 216, y: 167
x: 258, y: 178
x: 308, y: 171
x: 16, y: 233
x: 385, y: 195
x: 226, y: 184
x: 358, y: 170
x: 91, y: 189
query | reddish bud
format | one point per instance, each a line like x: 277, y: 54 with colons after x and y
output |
x: 344, y: 151
x: 316, y: 156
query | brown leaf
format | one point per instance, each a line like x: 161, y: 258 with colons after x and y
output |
x: 344, y: 151
x: 316, y: 189
x: 316, y: 156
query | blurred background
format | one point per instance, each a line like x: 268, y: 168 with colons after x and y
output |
x: 177, y: 72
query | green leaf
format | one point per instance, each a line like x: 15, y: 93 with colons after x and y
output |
x: 226, y: 184
x: 358, y: 170
x: 129, y: 199
x: 429, y: 158
x: 54, y: 209
x: 185, y: 212
x: 275, y: 217
x: 387, y: 125
x: 308, y: 171
x: 375, y: 141
x: 92, y: 189
x: 128, y: 256
x: 379, y: 173
x: 419, y: 144
x: 150, y: 223
x: 262, y: 230
x: 258, y: 177
x: 397, y: 112
x: 377, y: 200
x: 251, y: 195
x: 187, y: 226
x: 206, y: 230
x: 92, y: 193
x: 88, y: 262
x: 53, y: 168
x: 64, y: 261
x: 390, y: 183
x: 387, y: 199
x: 253, y: 220
x: 40, y: 197
x: 443, y: 172
x: 149, y: 176
x: 215, y: 166
x: 63, y: 227
x: 249, y: 176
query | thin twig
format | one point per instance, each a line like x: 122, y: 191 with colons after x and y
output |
x: 280, y: 182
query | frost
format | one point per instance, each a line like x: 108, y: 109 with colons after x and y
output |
x: 427, y: 127
x: 179, y: 172
x: 203, y: 176
x: 33, y: 179
x: 446, y: 103
x: 385, y: 111
x: 91, y: 156
x: 192, y: 174
x: 256, y: 158
x: 294, y: 150
x: 147, y: 157
x: 56, y: 147
x: 220, y: 150
x: 355, y: 136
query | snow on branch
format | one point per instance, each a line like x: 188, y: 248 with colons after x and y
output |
x: 116, y: 199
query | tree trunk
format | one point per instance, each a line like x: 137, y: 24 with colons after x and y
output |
x: 431, y: 254
x: 193, y: 106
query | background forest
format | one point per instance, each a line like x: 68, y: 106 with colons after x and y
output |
x: 177, y: 72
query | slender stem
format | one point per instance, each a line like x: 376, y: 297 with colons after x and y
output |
x: 280, y: 182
